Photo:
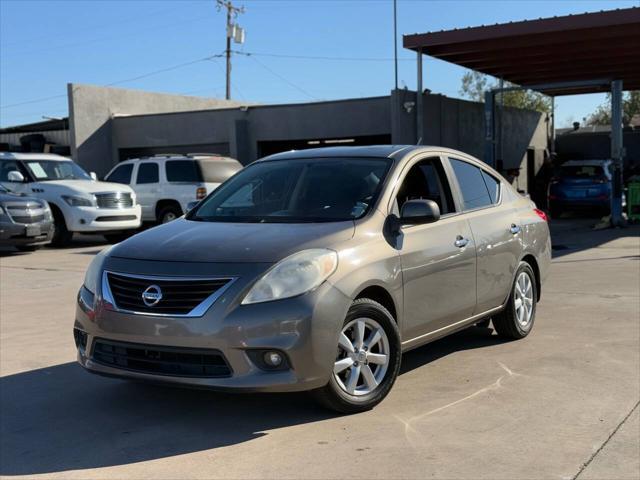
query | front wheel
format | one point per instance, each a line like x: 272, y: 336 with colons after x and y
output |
x: 367, y: 360
x: 516, y: 320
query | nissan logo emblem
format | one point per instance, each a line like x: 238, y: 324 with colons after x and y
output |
x: 152, y: 295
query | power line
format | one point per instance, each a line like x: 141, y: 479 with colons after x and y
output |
x: 321, y: 57
x: 300, y: 89
x: 118, y: 82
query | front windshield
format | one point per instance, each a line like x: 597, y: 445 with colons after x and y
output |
x: 3, y: 189
x: 46, y: 170
x: 291, y: 191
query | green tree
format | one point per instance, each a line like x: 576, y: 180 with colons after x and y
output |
x: 474, y: 84
x: 630, y: 107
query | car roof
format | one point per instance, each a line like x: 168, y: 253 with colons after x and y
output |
x: 578, y: 163
x: 32, y: 156
x: 206, y: 157
x: 368, y: 151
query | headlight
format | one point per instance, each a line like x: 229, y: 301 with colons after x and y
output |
x: 294, y: 275
x: 48, y: 215
x: 77, y: 201
x: 94, y: 273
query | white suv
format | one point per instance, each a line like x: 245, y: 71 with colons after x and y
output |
x: 79, y: 203
x: 166, y: 184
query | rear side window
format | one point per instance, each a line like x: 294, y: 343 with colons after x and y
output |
x: 472, y: 185
x: 218, y: 171
x: 185, y: 171
x: 122, y: 174
x: 147, y: 173
x: 493, y: 185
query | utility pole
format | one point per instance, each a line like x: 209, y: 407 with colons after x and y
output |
x: 233, y: 30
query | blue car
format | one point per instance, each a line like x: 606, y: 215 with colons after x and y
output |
x: 581, y: 184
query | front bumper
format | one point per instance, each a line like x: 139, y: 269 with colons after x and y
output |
x: 93, y: 219
x: 22, y: 234
x: 304, y: 328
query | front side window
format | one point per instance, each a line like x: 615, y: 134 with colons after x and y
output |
x: 47, y: 170
x: 296, y: 191
x: 122, y: 174
x: 183, y: 171
x: 147, y: 173
x: 472, y: 185
x: 426, y: 180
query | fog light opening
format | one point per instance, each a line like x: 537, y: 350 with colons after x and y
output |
x: 273, y: 359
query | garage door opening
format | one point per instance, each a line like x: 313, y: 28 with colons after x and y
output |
x: 276, y: 146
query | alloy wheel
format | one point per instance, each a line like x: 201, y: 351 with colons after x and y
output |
x: 363, y: 356
x: 524, y: 299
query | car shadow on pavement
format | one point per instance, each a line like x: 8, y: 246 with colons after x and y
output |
x: 61, y: 418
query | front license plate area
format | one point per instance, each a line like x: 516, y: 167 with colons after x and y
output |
x: 33, y: 231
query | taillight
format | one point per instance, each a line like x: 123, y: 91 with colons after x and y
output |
x: 201, y: 192
x: 541, y: 214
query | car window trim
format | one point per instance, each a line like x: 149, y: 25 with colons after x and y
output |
x: 417, y: 158
x: 139, y: 166
x: 461, y: 197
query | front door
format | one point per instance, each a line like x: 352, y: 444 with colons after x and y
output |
x: 146, y: 188
x: 438, y: 259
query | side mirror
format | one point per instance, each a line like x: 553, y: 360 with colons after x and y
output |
x: 15, y: 176
x: 93, y: 176
x: 418, y: 212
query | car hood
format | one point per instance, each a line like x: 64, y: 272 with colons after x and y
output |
x: 85, y: 186
x: 190, y: 241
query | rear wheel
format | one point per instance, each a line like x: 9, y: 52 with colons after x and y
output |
x: 516, y: 320
x: 169, y: 213
x: 367, y: 359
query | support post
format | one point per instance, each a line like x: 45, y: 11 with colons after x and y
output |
x: 489, y: 129
x: 419, y: 109
x: 617, y: 154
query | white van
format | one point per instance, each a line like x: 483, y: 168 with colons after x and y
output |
x: 79, y: 203
x: 166, y: 184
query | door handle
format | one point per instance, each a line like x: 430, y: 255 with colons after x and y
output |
x: 461, y: 241
x: 515, y: 229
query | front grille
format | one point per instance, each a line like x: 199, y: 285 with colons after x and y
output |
x: 27, y: 219
x: 179, y: 296
x: 30, y: 213
x: 114, y: 200
x: 175, y: 361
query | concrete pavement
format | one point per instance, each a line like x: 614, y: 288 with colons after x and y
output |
x: 560, y: 404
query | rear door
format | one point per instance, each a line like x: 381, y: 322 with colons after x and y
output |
x: 147, y: 188
x: 438, y: 259
x: 496, y: 230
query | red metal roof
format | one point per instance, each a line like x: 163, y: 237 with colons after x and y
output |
x: 574, y: 48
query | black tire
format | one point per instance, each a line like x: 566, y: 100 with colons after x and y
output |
x: 506, y: 322
x: 61, y: 236
x: 27, y: 248
x: 555, y: 210
x: 333, y: 396
x: 169, y: 213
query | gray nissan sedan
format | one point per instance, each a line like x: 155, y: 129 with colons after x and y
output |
x: 315, y: 270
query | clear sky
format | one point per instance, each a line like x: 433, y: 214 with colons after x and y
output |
x: 45, y: 44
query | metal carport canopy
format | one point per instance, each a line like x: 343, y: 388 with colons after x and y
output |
x: 536, y: 53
